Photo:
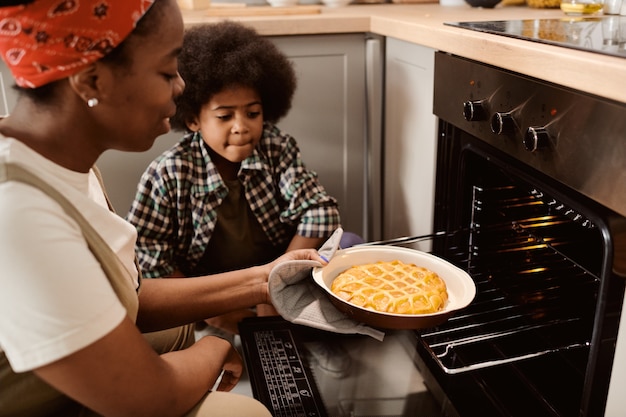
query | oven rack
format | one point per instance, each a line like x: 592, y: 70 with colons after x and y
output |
x: 504, y: 325
x: 543, y: 307
x: 533, y: 298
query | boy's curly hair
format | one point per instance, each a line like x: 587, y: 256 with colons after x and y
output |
x: 227, y: 54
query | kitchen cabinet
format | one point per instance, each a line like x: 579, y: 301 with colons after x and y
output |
x: 9, y: 95
x: 336, y: 121
x: 410, y: 140
x: 327, y: 118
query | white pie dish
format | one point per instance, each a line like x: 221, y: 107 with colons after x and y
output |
x: 460, y: 286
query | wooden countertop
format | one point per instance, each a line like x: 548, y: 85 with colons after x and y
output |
x: 423, y: 24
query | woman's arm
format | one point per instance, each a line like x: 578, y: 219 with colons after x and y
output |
x: 165, y: 303
x: 297, y: 242
x: 121, y: 375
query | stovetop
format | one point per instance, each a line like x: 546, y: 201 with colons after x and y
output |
x: 603, y: 34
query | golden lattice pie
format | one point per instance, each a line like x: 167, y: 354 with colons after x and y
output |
x: 392, y: 287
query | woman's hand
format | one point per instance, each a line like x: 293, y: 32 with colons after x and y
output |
x: 232, y: 370
x: 226, y: 357
x: 294, y: 255
x: 297, y: 255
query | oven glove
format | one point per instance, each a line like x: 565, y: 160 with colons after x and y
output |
x: 298, y: 299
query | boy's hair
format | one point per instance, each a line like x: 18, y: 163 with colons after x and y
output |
x: 229, y: 54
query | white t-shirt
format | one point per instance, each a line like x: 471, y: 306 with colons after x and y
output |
x: 54, y: 297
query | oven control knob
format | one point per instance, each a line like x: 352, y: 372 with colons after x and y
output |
x: 474, y: 110
x: 502, y: 123
x: 536, y: 138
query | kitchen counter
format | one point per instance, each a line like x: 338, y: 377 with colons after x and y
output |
x: 423, y: 24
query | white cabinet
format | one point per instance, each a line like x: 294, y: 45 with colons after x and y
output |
x: 410, y: 141
x: 327, y: 118
x: 9, y: 95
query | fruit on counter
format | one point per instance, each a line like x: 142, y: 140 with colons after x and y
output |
x: 576, y: 8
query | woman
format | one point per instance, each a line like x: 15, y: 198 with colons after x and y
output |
x: 91, y: 81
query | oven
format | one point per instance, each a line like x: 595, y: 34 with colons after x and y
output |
x: 531, y: 190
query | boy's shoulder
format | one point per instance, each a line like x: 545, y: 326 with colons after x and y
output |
x: 186, y: 151
x: 187, y: 146
x: 273, y: 135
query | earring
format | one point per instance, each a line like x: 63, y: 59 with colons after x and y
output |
x: 92, y: 102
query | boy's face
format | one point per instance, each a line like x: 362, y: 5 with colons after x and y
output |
x: 231, y: 123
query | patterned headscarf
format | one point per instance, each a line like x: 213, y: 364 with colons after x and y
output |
x: 48, y: 40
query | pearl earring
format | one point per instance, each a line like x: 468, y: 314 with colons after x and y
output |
x: 92, y: 102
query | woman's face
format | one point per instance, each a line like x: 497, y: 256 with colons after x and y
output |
x: 141, y: 99
x: 231, y: 123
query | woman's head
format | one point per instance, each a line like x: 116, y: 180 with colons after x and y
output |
x: 218, y: 57
x: 134, y: 84
x: 140, y: 80
x: 43, y: 41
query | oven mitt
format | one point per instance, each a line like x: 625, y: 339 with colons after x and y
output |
x: 298, y: 299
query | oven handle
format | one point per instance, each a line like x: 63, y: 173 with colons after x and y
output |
x: 411, y: 239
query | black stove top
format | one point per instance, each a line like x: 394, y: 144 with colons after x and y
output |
x: 603, y: 34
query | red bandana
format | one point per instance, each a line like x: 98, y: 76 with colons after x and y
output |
x: 48, y: 40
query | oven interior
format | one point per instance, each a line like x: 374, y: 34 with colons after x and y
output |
x: 537, y: 339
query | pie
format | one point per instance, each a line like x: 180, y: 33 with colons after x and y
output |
x: 392, y: 287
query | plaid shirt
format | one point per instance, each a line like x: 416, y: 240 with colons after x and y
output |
x: 175, y: 208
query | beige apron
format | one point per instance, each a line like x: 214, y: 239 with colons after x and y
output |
x: 25, y: 391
